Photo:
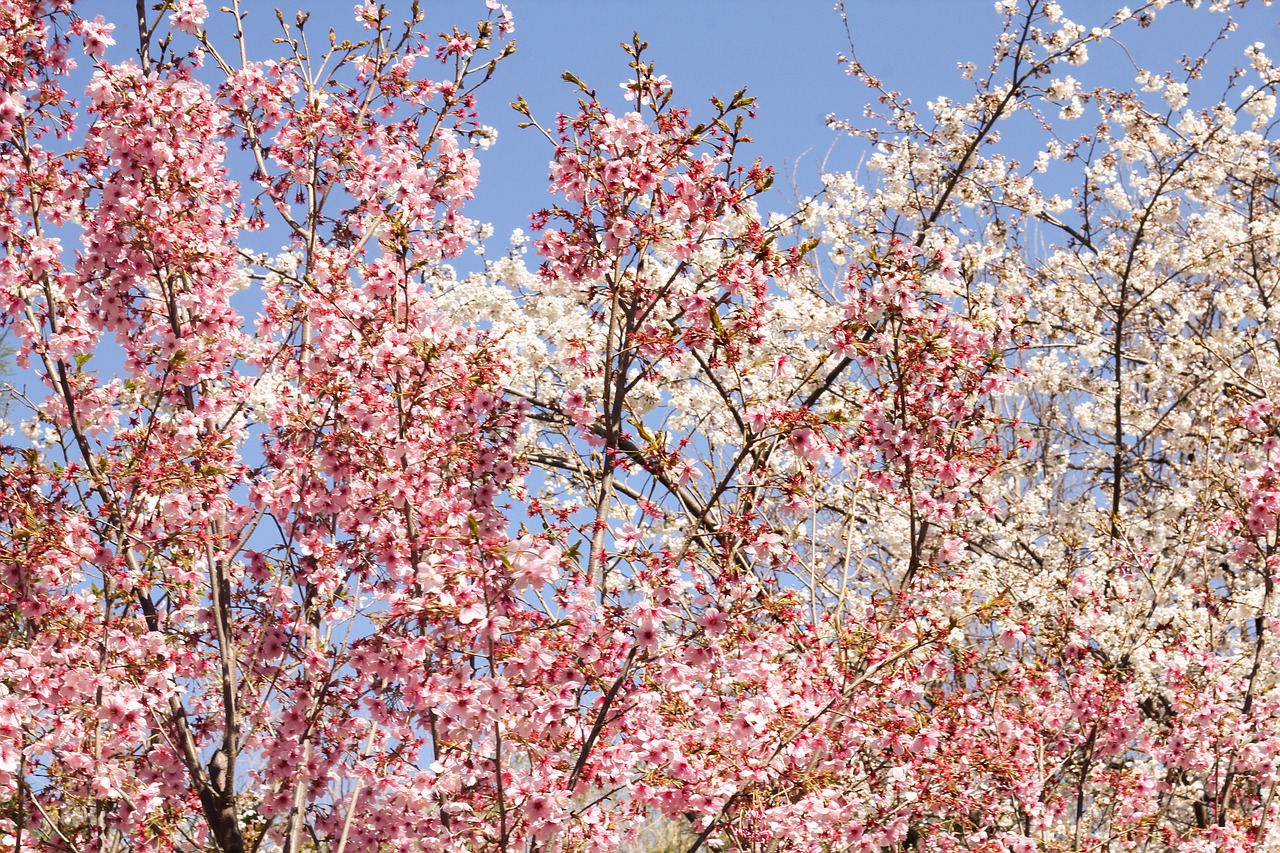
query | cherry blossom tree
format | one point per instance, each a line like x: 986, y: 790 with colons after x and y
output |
x: 937, y: 513
x: 1129, y: 558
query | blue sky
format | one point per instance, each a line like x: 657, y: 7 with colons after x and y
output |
x: 783, y: 51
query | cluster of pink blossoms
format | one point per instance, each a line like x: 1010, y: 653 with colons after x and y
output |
x: 716, y: 531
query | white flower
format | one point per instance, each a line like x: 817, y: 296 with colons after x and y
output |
x: 1063, y: 89
x: 485, y: 136
x: 1175, y: 95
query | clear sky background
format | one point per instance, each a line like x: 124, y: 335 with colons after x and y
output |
x: 783, y: 51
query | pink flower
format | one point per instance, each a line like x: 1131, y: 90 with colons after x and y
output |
x: 924, y: 743
x: 714, y: 622
x: 189, y: 16
x: 621, y: 230
x: 506, y: 24
x: 9, y: 757
x: 627, y: 537
x: 686, y: 471
x: 97, y: 36
x: 1011, y: 635
x: 951, y: 551
x: 472, y: 613
x: 806, y: 443
x: 947, y: 264
x: 535, y: 565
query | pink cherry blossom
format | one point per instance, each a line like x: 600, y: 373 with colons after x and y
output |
x: 938, y: 512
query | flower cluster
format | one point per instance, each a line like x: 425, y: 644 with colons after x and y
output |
x: 937, y: 514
